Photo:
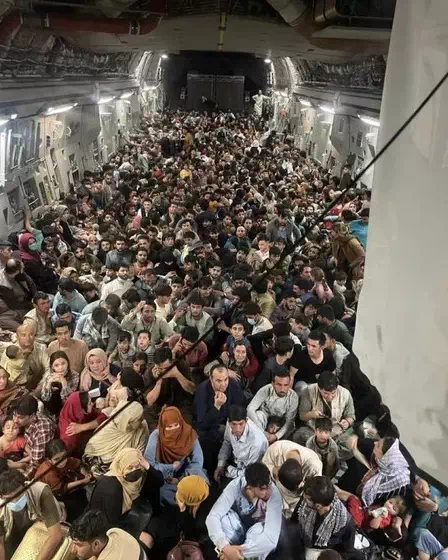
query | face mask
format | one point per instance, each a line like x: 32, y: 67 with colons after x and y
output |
x: 133, y: 476
x: 251, y: 321
x: 33, y: 247
x: 19, y: 504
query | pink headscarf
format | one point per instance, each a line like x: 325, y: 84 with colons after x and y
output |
x: 25, y: 253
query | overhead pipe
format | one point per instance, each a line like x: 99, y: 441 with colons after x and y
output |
x: 53, y: 21
x: 301, y: 18
x: 222, y: 30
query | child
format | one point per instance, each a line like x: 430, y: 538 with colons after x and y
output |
x: 12, y: 446
x: 321, y: 288
x: 122, y: 355
x: 375, y: 517
x: 140, y: 366
x: 143, y: 344
x: 17, y: 367
x: 327, y: 449
x: 300, y: 326
x: 128, y: 387
x: 237, y: 334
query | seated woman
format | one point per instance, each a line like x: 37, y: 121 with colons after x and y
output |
x: 242, y: 365
x: 98, y: 373
x: 115, y: 493
x: 10, y: 394
x: 186, y: 522
x: 58, y: 383
x: 13, y: 447
x: 174, y: 450
x: 64, y: 475
x: 126, y: 429
x: 77, y: 420
x: 129, y: 386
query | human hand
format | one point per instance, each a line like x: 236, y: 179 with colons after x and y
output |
x: 73, y: 429
x: 140, y: 306
x: 231, y: 552
x: 270, y: 437
x: 345, y: 424
x: 233, y: 374
x: 144, y: 463
x: 220, y: 399
x: 219, y: 472
x: 180, y: 312
x: 176, y: 465
x: 317, y: 414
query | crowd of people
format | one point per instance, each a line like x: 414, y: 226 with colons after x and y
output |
x: 177, y: 377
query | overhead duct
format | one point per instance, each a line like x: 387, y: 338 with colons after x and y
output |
x: 301, y: 18
x: 53, y: 21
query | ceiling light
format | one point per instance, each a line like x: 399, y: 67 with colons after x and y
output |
x: 268, y: 60
x: 370, y: 121
x: 14, y: 116
x: 327, y: 109
x: 106, y: 99
x: 305, y: 103
x: 126, y: 95
x: 3, y: 121
x: 164, y: 56
x: 58, y: 110
x: 326, y: 122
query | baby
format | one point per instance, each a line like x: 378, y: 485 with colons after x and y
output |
x: 16, y: 365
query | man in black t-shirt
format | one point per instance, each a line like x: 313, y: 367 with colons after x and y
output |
x: 307, y: 364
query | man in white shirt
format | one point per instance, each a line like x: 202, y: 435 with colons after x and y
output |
x: 254, y: 317
x: 246, y: 519
x: 120, y: 285
x: 290, y: 465
x: 275, y: 400
x: 244, y: 443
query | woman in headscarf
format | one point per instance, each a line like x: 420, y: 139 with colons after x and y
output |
x: 77, y: 420
x: 389, y: 476
x: 45, y: 279
x: 10, y: 394
x: 187, y: 521
x: 174, y: 450
x: 97, y: 372
x: 126, y: 428
x: 63, y: 214
x: 347, y: 251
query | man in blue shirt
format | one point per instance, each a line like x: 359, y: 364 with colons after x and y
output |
x: 359, y: 228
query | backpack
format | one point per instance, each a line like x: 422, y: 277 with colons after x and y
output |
x: 185, y: 550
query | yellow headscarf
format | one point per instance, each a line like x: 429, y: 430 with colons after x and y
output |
x: 192, y: 490
x: 120, y: 468
x: 126, y: 429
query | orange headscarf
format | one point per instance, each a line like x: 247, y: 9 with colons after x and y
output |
x: 174, y: 445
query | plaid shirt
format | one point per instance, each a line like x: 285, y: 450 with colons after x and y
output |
x: 37, y: 435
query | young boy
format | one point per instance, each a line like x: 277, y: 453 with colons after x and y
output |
x: 327, y: 449
x: 123, y: 353
x: 300, y: 326
x: 237, y: 334
x: 143, y: 344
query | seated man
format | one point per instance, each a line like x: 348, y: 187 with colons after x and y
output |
x: 320, y: 521
x: 64, y: 313
x: 26, y: 505
x: 67, y: 293
x: 246, y: 519
x: 38, y: 429
x: 40, y: 318
x: 76, y: 350
x: 275, y: 399
x: 212, y: 401
x: 327, y: 398
x: 244, y: 443
x: 93, y: 539
x: 286, y: 309
x: 168, y: 385
x: 180, y: 344
x: 277, y: 364
x: 98, y: 330
x: 144, y: 317
x: 290, y: 464
x: 337, y: 328
x: 35, y: 355
x: 254, y: 317
x: 193, y: 315
x: 120, y: 285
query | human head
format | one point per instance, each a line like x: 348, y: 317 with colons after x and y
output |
x: 219, y: 378
x: 290, y: 475
x: 328, y: 385
x: 284, y: 347
x: 237, y: 419
x: 143, y: 339
x: 12, y: 489
x: 56, y: 452
x: 89, y: 534
x: 315, y: 344
x: 25, y: 337
x: 196, y: 306
x: 148, y: 311
x: 253, y: 312
x: 62, y: 332
x: 322, y: 428
x: 258, y: 480
x: 281, y: 383
x: 396, y: 506
x: 124, y: 341
x: 4, y: 378
x: 237, y: 330
x: 25, y: 411
x: 382, y: 446
x: 67, y: 288
x: 112, y: 304
x: 41, y: 303
x: 123, y: 272
x: 191, y: 491
x: 310, y: 307
x: 163, y: 294
x: 96, y: 361
x: 319, y: 493
x: 325, y: 315
x: 59, y: 362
